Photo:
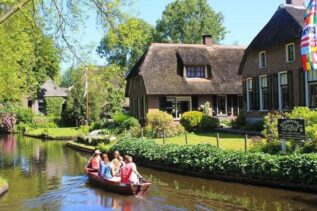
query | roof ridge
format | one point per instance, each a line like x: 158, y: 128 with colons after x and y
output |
x: 198, y: 45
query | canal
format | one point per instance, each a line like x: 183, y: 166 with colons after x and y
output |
x: 49, y: 176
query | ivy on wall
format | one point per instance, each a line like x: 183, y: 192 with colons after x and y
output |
x: 54, y: 106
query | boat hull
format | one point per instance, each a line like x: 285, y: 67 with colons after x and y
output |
x: 116, y: 187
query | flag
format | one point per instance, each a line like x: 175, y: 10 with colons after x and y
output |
x: 309, y: 38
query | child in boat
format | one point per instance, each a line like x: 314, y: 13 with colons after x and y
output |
x: 94, y: 161
x: 129, y: 173
x: 106, y: 169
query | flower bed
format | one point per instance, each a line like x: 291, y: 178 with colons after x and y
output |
x: 206, y: 159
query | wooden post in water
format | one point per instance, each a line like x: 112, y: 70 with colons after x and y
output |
x: 245, y: 143
x: 218, y: 139
x: 186, y: 140
x: 163, y: 136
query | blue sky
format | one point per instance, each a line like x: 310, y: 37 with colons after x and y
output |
x: 243, y: 19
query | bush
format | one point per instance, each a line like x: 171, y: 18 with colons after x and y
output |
x: 24, y: 115
x: 191, y: 120
x: 22, y: 127
x: 119, y: 118
x: 208, y: 159
x: 157, y: 122
x: 40, y: 121
x: 54, y: 106
x: 130, y: 122
x: 240, y: 121
x: 255, y: 126
x: 270, y: 125
x: 226, y: 122
x: 7, y: 122
x: 310, y: 116
x: 208, y: 123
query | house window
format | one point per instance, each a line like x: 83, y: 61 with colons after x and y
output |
x: 176, y: 106
x: 262, y: 59
x: 249, y: 94
x: 284, y: 91
x: 222, y: 105
x: 312, y: 88
x: 290, y: 52
x: 196, y: 72
x: 263, y: 93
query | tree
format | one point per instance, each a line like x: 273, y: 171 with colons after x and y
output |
x: 185, y: 21
x: 125, y: 43
x: 106, y: 93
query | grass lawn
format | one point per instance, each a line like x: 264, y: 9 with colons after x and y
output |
x: 2, y: 182
x: 227, y: 141
x: 56, y: 132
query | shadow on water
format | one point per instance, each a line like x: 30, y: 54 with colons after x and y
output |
x: 49, y: 176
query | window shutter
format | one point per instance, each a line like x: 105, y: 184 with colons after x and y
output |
x: 209, y: 73
x: 256, y: 93
x: 245, y: 93
x: 275, y: 91
x: 302, y: 90
x: 214, y: 105
x: 195, y: 103
x: 270, y: 91
x: 229, y: 104
x: 290, y: 87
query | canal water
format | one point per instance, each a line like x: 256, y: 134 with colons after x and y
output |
x: 46, y: 175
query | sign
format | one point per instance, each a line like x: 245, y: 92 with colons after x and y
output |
x: 291, y: 129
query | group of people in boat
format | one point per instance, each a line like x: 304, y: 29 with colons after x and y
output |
x: 119, y: 169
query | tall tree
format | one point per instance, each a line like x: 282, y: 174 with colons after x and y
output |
x: 185, y: 21
x: 126, y: 42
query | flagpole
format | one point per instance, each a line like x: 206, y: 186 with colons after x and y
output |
x: 87, y: 107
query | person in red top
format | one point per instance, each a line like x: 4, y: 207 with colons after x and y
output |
x: 94, y: 161
x: 129, y: 173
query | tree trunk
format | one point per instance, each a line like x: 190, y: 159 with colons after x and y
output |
x: 13, y: 10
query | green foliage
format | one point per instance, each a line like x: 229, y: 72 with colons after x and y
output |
x: 254, y: 126
x: 119, y: 118
x: 54, y: 106
x: 40, y: 121
x: 207, y: 159
x: 185, y: 21
x: 208, y: 123
x: 270, y: 125
x: 157, y: 122
x: 191, y: 120
x: 240, y: 121
x: 205, y: 108
x: 24, y: 115
x: 84, y: 129
x: 124, y: 44
x: 310, y: 116
x: 125, y: 122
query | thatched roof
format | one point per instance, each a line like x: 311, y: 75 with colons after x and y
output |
x: 285, y: 26
x: 161, y: 68
x: 50, y: 89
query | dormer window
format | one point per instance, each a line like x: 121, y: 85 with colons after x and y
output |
x: 290, y: 52
x: 262, y: 59
x: 196, y: 72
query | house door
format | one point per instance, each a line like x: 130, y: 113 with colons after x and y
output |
x: 222, y: 105
x: 178, y: 106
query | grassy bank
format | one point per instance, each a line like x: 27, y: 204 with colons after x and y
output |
x: 3, y: 186
x: 55, y: 132
x: 227, y: 141
x: 2, y: 182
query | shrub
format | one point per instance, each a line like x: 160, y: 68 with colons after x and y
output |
x: 305, y: 113
x: 226, y: 122
x: 7, y: 122
x: 40, y: 121
x: 191, y: 120
x: 157, y: 122
x: 53, y: 106
x: 240, y: 121
x: 129, y: 123
x: 119, y: 118
x: 84, y: 129
x: 270, y: 125
x: 208, y: 159
x: 22, y: 127
x: 208, y: 123
x: 24, y: 115
x: 255, y: 126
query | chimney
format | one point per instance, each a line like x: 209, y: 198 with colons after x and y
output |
x: 207, y: 40
x: 296, y: 2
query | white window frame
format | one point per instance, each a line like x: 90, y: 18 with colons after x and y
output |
x: 287, y: 56
x: 261, y: 94
x: 248, y: 96
x: 179, y: 99
x: 226, y: 111
x: 280, y: 89
x: 261, y: 66
x: 185, y: 72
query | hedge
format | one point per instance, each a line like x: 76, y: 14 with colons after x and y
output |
x: 203, y: 158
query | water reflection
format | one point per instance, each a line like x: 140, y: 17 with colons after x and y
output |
x: 49, y: 176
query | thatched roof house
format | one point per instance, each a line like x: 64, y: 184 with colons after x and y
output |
x: 181, y: 77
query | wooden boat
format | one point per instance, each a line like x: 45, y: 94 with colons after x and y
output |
x: 117, y: 187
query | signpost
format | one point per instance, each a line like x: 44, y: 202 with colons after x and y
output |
x: 291, y: 129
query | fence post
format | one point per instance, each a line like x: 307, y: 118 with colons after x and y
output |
x: 245, y: 143
x: 218, y: 140
x: 283, y: 145
x: 163, y: 136
x: 186, y: 141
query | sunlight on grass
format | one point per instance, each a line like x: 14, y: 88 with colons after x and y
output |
x: 2, y: 182
x: 57, y: 132
x: 227, y: 141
